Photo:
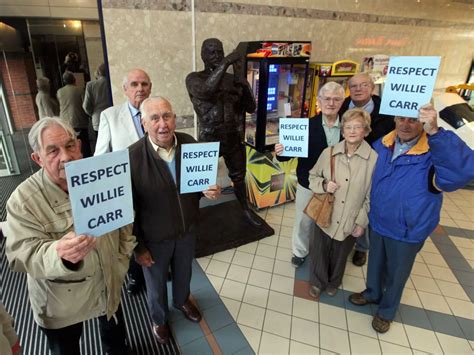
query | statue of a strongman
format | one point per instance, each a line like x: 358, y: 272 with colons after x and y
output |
x: 220, y: 100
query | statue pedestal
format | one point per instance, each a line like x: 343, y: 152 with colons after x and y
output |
x: 223, y: 226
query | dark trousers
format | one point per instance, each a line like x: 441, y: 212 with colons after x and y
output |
x: 179, y: 255
x: 65, y: 341
x: 328, y: 259
x: 135, y: 271
x: 390, y: 264
x: 85, y: 143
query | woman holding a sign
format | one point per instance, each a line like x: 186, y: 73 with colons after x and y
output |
x: 353, y: 165
x: 323, y: 131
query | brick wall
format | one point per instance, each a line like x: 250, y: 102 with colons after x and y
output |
x: 18, y: 77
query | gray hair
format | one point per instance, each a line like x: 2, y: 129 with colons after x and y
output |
x: 125, y: 78
x: 100, y: 70
x: 364, y: 75
x: 332, y: 87
x: 69, y: 78
x: 357, y: 113
x: 144, y: 104
x: 42, y: 84
x: 34, y: 136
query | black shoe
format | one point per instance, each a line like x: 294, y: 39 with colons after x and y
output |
x: 296, y: 261
x: 190, y: 311
x: 253, y: 220
x: 161, y: 333
x: 359, y: 258
x: 133, y: 286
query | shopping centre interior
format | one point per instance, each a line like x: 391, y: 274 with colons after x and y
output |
x: 252, y: 299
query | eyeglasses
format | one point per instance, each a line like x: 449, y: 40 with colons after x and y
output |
x: 359, y: 86
x: 356, y: 127
x: 165, y: 116
x: 333, y: 99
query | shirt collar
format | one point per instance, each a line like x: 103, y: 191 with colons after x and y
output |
x: 363, y: 151
x: 410, y: 144
x: 336, y: 123
x: 368, y: 107
x: 162, y: 152
x: 133, y: 110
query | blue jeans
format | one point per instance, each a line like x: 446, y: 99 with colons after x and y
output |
x: 390, y: 264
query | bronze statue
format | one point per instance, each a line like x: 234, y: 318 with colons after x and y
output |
x: 220, y: 100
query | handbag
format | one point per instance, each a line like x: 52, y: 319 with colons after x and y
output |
x: 320, y: 207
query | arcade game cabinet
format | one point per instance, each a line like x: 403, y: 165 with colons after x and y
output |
x: 277, y: 74
x: 321, y: 73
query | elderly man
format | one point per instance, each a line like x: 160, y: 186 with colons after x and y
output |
x: 71, y: 278
x: 360, y: 88
x: 165, y: 220
x: 70, y: 99
x: 416, y: 162
x: 119, y: 127
x: 47, y: 106
x: 96, y: 98
x: 220, y: 100
x: 324, y: 131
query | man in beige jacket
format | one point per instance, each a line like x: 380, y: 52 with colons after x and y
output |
x: 71, y: 278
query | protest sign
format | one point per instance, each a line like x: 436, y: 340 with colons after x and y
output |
x: 294, y: 137
x: 409, y: 85
x: 198, y: 166
x: 100, y: 192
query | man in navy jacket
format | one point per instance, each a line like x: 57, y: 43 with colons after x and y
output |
x: 416, y: 162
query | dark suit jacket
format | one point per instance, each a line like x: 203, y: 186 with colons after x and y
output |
x: 161, y: 212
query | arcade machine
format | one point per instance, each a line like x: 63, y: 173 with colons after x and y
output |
x: 321, y: 73
x: 277, y: 74
x: 455, y: 113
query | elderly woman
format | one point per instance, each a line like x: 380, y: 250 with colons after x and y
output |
x: 354, y: 162
x: 324, y: 131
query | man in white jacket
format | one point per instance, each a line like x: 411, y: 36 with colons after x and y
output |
x: 120, y: 125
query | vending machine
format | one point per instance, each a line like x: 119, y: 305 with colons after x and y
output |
x: 277, y: 73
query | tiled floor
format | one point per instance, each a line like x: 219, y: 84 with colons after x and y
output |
x: 268, y: 300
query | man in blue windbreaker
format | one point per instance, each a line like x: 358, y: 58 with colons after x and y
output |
x: 416, y: 162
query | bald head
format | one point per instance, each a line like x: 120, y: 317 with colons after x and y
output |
x: 137, y: 86
x: 153, y: 100
x: 159, y: 121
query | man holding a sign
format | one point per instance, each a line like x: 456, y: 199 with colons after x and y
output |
x: 71, y: 278
x: 165, y: 217
x: 323, y: 131
x: 415, y: 163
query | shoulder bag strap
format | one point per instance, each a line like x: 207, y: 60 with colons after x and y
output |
x: 332, y: 163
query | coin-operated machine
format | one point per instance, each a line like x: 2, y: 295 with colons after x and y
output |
x: 454, y: 112
x: 277, y: 74
x: 321, y: 73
